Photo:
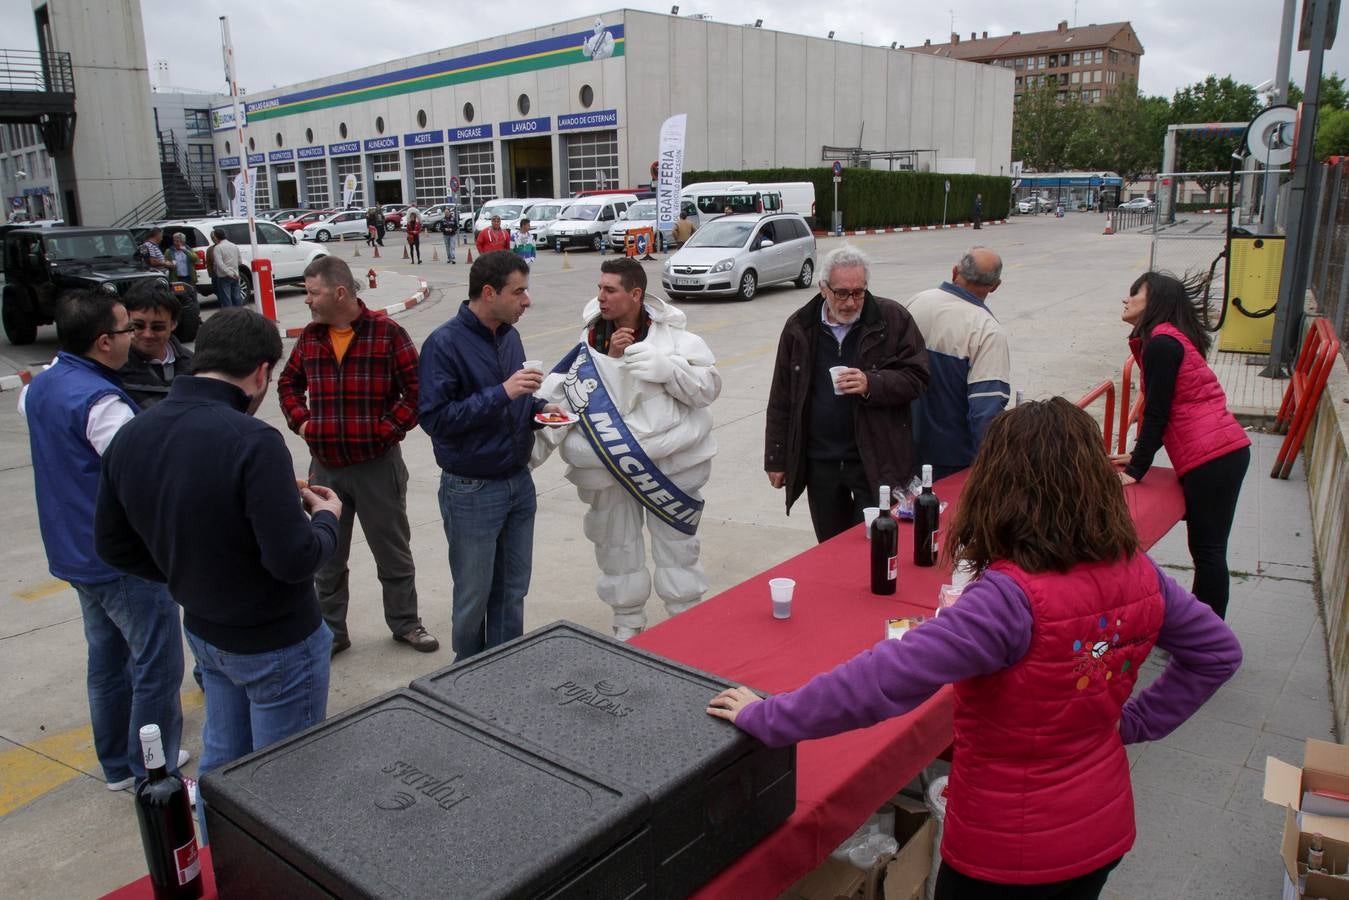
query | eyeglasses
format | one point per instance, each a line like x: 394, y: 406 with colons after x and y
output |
x: 156, y: 327
x: 859, y: 294
x: 127, y: 330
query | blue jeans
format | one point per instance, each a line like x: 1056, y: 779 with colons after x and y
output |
x: 228, y: 293
x: 449, y: 246
x: 135, y: 670
x: 256, y: 699
x: 489, y: 526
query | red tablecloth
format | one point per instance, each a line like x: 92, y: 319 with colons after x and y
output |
x: 841, y: 780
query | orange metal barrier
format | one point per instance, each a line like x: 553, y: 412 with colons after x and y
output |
x: 1108, y: 389
x: 1320, y: 349
x: 1129, y: 415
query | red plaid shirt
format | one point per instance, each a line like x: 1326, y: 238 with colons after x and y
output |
x: 356, y: 409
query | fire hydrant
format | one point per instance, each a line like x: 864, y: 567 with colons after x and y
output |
x: 372, y: 276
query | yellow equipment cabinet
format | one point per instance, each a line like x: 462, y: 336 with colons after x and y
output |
x: 1255, y: 265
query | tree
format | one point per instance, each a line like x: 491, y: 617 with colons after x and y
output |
x: 1333, y: 95
x: 1211, y: 100
x: 1332, y: 133
x: 1043, y: 128
x: 1132, y: 129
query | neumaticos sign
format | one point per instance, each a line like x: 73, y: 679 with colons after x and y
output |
x: 600, y: 118
x: 310, y: 152
x: 344, y: 148
x: 280, y: 155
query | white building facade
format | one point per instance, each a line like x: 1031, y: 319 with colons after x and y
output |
x: 578, y: 105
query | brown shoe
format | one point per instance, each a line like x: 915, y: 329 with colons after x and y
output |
x: 419, y: 640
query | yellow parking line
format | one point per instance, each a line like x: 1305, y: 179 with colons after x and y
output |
x: 41, y: 591
x: 29, y: 771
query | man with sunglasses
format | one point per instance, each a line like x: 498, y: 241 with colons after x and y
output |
x: 157, y: 356
x: 838, y: 425
x: 135, y: 646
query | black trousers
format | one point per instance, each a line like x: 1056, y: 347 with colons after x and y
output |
x: 415, y: 247
x: 1211, y: 492
x: 952, y: 885
x: 837, y: 492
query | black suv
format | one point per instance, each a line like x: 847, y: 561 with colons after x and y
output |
x: 41, y: 264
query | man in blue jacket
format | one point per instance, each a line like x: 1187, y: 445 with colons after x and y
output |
x: 131, y: 624
x: 477, y: 405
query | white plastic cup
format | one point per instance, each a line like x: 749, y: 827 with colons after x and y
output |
x: 781, y: 590
x: 834, y: 372
x: 950, y: 593
x: 533, y: 364
x: 869, y: 516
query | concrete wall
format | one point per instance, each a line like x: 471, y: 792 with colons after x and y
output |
x: 115, y: 162
x: 759, y: 99
x: 1327, y: 458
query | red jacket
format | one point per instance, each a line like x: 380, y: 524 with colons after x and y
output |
x: 359, y: 408
x: 1039, y: 788
x: 490, y: 239
x: 1200, y: 428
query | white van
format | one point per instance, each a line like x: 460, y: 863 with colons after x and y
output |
x: 709, y: 186
x: 797, y: 197
x: 509, y: 208
x: 740, y: 199
x: 586, y: 221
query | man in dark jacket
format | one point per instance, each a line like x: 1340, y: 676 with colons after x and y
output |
x: 227, y: 529
x: 157, y: 356
x: 477, y: 405
x: 849, y: 364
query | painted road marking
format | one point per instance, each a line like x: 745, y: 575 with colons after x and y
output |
x: 30, y: 770
x: 41, y: 591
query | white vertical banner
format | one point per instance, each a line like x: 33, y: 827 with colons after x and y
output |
x: 244, y: 202
x: 237, y: 196
x: 348, y: 190
x: 670, y: 171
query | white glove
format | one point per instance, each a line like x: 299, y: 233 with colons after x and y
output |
x: 648, y: 363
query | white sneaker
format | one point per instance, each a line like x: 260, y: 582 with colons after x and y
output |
x: 183, y: 757
x: 625, y: 633
x: 124, y: 785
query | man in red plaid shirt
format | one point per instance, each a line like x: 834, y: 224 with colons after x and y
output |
x: 350, y: 390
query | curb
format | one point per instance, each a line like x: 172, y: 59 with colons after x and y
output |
x: 393, y: 309
x: 901, y: 230
x: 15, y: 382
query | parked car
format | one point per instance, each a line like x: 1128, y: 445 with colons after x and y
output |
x: 642, y: 214
x: 735, y: 255
x: 585, y: 222
x: 309, y: 217
x: 282, y: 216
x: 41, y: 264
x: 510, y: 209
x: 335, y: 226
x: 1137, y: 203
x: 288, y: 253
x: 1034, y: 204
x: 393, y: 214
x: 543, y: 213
x: 433, y: 216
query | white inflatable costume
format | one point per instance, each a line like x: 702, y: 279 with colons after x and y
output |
x: 662, y: 387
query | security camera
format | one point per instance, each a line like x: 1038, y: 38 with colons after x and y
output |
x: 21, y: 174
x: 1264, y: 86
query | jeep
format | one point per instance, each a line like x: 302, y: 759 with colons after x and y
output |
x: 41, y: 264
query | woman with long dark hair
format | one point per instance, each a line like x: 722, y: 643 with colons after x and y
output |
x: 1043, y: 649
x: 1185, y: 411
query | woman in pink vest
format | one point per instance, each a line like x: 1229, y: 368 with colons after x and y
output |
x: 1043, y: 649
x: 1185, y: 411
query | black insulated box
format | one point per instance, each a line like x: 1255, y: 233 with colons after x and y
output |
x: 637, y: 719
x: 401, y: 797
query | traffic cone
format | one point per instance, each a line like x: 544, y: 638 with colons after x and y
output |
x: 377, y: 251
x: 405, y: 251
x: 356, y: 251
x: 469, y: 258
x: 435, y: 255
x: 1109, y: 224
x: 566, y: 262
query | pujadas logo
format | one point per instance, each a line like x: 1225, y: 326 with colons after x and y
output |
x: 444, y: 791
x: 601, y: 695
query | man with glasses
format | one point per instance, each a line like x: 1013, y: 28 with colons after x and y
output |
x: 971, y: 364
x: 849, y: 364
x: 157, y: 356
x: 135, y: 663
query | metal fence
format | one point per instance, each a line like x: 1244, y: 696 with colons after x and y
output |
x: 1328, y: 281
x: 31, y: 70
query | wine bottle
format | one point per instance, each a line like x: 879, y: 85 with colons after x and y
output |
x: 884, y: 548
x: 926, y: 523
x: 165, y: 816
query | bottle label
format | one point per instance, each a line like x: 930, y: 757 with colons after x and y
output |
x: 936, y: 542
x: 154, y: 754
x: 187, y: 862
x: 892, y: 568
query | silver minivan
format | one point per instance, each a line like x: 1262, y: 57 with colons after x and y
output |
x: 735, y: 255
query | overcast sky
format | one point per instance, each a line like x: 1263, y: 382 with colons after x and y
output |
x: 281, y: 43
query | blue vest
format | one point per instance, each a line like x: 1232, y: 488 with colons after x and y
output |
x: 66, y: 465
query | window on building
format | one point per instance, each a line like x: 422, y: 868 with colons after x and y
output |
x: 342, y: 129
x: 1096, y: 76
x: 1019, y: 81
x: 468, y: 112
x: 280, y: 142
x: 198, y: 122
x: 1041, y: 63
x: 1113, y: 56
x: 1077, y: 58
x: 263, y: 197
x: 522, y: 104
x: 1100, y: 57
x: 428, y: 175
x: 421, y: 118
x: 309, y: 135
x: 252, y: 145
x: 315, y: 175
x: 1019, y: 62
x: 587, y: 96
x: 588, y: 155
x: 475, y: 161
x: 1077, y: 78
x: 379, y: 124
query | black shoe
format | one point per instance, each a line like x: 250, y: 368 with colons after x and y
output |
x: 340, y: 644
x: 419, y: 640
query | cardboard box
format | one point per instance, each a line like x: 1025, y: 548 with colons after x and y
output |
x: 1295, y: 846
x: 906, y: 875
x: 1325, y: 766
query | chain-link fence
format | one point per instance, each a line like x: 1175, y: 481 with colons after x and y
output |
x: 1328, y: 281
x: 1194, y: 243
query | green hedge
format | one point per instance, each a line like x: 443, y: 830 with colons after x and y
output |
x: 869, y: 198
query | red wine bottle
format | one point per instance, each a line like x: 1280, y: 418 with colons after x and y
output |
x: 926, y: 523
x: 165, y: 816
x: 884, y: 548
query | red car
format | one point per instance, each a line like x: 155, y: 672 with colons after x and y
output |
x: 299, y: 222
x: 393, y: 214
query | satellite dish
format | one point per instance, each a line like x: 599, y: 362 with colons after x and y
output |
x: 1269, y: 137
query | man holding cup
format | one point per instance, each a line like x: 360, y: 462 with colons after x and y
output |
x: 849, y: 364
x: 478, y: 407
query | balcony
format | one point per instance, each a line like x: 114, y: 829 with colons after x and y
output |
x: 39, y: 88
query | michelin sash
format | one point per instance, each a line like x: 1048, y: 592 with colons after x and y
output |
x: 617, y: 448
